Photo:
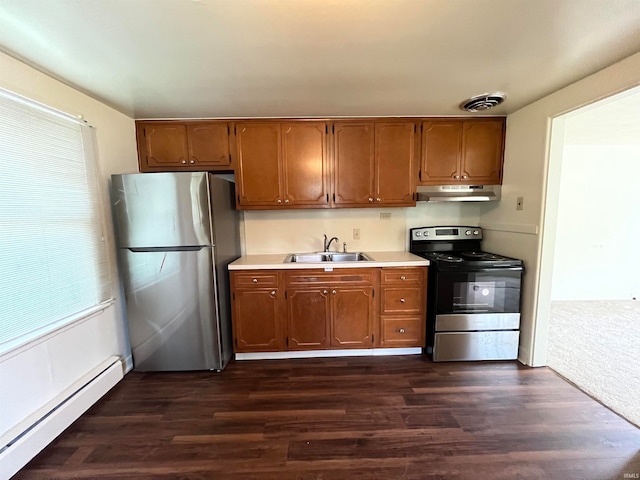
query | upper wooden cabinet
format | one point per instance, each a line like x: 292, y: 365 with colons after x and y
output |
x: 373, y: 163
x: 175, y: 146
x: 300, y: 163
x: 462, y: 151
x: 282, y: 165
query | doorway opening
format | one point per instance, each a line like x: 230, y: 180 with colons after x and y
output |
x: 589, y: 278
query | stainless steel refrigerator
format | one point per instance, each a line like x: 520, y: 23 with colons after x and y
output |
x: 176, y: 235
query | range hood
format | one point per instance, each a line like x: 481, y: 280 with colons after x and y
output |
x: 459, y: 193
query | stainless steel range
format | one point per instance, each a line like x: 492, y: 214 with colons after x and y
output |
x: 473, y: 297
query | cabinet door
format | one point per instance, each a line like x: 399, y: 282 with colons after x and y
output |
x: 441, y: 152
x: 352, y: 317
x: 164, y: 145
x: 304, y: 168
x: 259, y: 162
x: 394, y: 167
x: 257, y: 320
x: 308, y: 318
x: 482, y: 150
x: 208, y: 144
x: 354, y: 171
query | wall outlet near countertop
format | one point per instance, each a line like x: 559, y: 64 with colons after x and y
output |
x: 520, y: 203
x: 385, y: 216
x: 356, y: 234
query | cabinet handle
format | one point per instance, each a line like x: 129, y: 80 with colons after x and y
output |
x: 370, y: 199
x: 192, y: 161
x: 378, y: 199
x: 334, y: 292
x: 183, y: 162
x: 325, y: 292
x: 279, y: 201
x: 403, y: 277
x: 286, y: 200
x: 464, y: 176
x: 273, y: 293
x: 401, y: 330
x: 255, y: 280
x: 402, y: 300
x: 456, y: 177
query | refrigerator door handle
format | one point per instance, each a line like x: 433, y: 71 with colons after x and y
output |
x: 194, y: 248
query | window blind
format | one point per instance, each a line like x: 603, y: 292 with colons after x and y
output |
x: 53, y: 262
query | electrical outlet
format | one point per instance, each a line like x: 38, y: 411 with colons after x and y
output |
x: 385, y: 216
x: 520, y: 203
x: 356, y: 234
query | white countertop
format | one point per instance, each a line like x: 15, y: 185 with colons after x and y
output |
x: 276, y: 261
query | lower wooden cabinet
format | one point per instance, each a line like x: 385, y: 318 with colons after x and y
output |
x: 331, y: 309
x: 257, y: 311
x: 402, y: 331
x: 278, y: 310
x: 352, y: 316
x: 403, y: 306
x: 308, y: 318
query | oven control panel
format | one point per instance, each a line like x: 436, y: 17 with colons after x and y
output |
x: 446, y: 233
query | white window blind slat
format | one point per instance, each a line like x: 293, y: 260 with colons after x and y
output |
x: 53, y: 262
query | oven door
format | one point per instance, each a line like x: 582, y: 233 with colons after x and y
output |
x: 483, y: 291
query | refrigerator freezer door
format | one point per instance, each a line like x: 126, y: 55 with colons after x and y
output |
x: 172, y: 309
x: 159, y: 210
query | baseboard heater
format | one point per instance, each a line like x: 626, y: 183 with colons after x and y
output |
x: 29, y: 438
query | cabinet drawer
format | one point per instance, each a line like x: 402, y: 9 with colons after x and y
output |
x: 402, y: 331
x: 404, y: 276
x: 257, y: 278
x: 405, y: 300
x: 361, y: 276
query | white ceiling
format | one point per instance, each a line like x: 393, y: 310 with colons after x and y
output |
x: 264, y: 58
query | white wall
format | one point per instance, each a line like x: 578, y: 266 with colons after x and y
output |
x: 519, y: 233
x: 270, y: 231
x: 34, y: 374
x: 596, y: 249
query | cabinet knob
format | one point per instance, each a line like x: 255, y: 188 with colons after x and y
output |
x: 325, y: 292
x: 279, y: 201
x: 401, y: 330
x: 183, y: 162
x: 192, y: 161
x: 255, y: 280
x: 403, y: 277
x: 286, y: 200
x: 464, y: 176
x: 378, y: 199
x: 370, y: 199
x: 456, y: 177
x: 273, y: 293
x: 334, y: 292
x: 402, y: 300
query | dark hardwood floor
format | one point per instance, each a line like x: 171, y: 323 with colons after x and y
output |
x: 346, y: 418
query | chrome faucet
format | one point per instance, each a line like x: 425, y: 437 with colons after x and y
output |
x: 327, y: 242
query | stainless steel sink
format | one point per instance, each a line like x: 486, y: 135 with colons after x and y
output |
x: 328, y: 257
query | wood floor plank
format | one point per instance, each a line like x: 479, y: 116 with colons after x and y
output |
x: 345, y: 418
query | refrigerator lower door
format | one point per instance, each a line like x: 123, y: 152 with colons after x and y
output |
x: 172, y: 309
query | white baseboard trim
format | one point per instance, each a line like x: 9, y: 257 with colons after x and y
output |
x: 19, y: 451
x: 361, y: 352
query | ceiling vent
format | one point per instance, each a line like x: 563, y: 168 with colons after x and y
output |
x: 483, y: 102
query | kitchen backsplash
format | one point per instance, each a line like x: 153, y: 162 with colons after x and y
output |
x: 272, y: 231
